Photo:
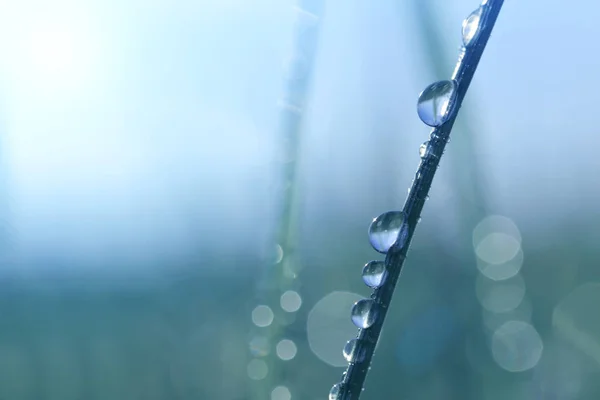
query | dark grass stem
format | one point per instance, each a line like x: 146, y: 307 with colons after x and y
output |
x: 282, y: 264
x: 351, y: 386
x: 437, y: 56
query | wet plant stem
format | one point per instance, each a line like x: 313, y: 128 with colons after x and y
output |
x: 352, y: 383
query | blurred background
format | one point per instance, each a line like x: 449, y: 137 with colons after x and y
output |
x: 186, y: 186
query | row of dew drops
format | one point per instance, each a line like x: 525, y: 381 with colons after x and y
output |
x: 434, y: 107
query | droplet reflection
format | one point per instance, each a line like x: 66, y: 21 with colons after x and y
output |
x: 336, y: 392
x: 471, y: 27
x: 364, y: 313
x: 353, y: 351
x: 386, y: 229
x: 436, y: 102
x: 374, y: 274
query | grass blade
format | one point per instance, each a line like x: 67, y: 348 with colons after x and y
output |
x: 351, y: 386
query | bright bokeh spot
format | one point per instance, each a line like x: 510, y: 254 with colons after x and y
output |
x: 262, y: 316
x: 497, y: 244
x: 504, y: 270
x: 290, y: 301
x: 495, y: 223
x: 329, y: 327
x: 281, y: 393
x: 497, y: 248
x: 517, y: 346
x: 286, y: 349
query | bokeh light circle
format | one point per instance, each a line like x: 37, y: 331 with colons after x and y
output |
x: 262, y: 316
x: 290, y: 301
x: 517, y: 346
x: 329, y: 326
x: 281, y: 393
x: 286, y: 349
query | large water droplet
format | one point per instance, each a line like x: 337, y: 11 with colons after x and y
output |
x: 471, y: 27
x: 364, y: 313
x: 436, y: 102
x: 336, y: 392
x: 374, y: 273
x: 353, y: 351
x: 386, y: 229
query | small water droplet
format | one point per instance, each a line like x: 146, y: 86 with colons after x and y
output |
x: 471, y: 27
x: 423, y: 150
x: 336, y: 392
x: 436, y: 102
x: 374, y: 273
x: 353, y: 351
x: 386, y: 229
x: 364, y: 313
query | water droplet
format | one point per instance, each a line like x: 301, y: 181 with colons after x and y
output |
x: 387, y: 229
x: 336, y: 392
x: 374, y: 273
x: 471, y: 27
x: 353, y: 351
x: 364, y: 313
x: 436, y: 101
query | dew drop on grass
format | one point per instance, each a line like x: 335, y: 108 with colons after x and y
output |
x: 336, y: 392
x: 436, y: 102
x: 374, y: 274
x: 386, y: 229
x: 364, y: 313
x: 471, y: 27
x: 353, y: 351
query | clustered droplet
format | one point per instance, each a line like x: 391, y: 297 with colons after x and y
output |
x: 436, y: 102
x: 374, y: 274
x: 336, y: 392
x: 387, y: 229
x: 471, y: 27
x: 353, y: 351
x: 364, y: 313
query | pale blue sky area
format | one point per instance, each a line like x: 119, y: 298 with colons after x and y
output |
x: 142, y: 131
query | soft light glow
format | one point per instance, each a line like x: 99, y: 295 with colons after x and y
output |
x: 52, y: 50
x: 262, y: 316
x: 329, y: 326
x: 517, y: 346
x: 286, y: 349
